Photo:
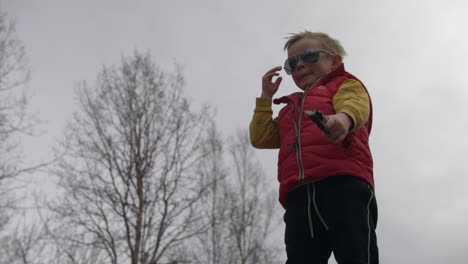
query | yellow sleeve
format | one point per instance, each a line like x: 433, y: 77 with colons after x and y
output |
x: 264, y: 133
x: 353, y: 100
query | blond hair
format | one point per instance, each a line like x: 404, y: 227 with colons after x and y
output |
x: 326, y: 42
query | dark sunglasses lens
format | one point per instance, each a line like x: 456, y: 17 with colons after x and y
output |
x: 290, y: 64
x: 310, y: 56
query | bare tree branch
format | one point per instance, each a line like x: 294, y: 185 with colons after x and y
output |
x: 19, y: 239
x: 238, y: 205
x: 128, y: 176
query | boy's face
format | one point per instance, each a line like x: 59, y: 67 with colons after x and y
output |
x: 304, y: 75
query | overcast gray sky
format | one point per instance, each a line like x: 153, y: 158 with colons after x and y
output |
x: 410, y: 54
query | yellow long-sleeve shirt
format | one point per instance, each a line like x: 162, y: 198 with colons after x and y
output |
x: 351, y: 99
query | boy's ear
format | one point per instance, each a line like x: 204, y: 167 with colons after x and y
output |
x: 337, y: 61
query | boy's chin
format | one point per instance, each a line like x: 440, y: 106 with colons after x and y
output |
x: 306, y: 85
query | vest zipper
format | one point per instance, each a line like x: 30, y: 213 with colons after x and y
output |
x: 300, y: 163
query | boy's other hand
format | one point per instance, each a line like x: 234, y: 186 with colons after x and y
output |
x: 339, y: 126
x: 269, y: 88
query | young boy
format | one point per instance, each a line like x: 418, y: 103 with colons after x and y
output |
x: 326, y: 179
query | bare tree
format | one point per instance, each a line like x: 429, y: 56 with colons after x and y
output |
x: 13, y: 117
x: 23, y: 245
x: 17, y: 238
x: 239, y: 206
x: 127, y: 180
x: 210, y: 247
x: 252, y: 205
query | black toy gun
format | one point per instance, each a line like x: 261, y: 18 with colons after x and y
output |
x: 318, y: 119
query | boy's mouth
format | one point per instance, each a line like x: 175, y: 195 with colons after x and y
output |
x: 305, y: 74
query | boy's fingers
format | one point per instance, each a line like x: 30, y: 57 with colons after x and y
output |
x: 337, y: 134
x: 335, y: 138
x: 329, y: 122
x: 272, y: 72
x: 270, y: 87
x: 269, y: 76
x: 339, y: 139
x: 278, y: 81
x: 334, y: 125
x: 275, y: 69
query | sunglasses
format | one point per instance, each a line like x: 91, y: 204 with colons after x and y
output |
x: 308, y: 56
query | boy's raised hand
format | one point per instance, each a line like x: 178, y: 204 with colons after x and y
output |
x: 339, y: 126
x: 269, y: 88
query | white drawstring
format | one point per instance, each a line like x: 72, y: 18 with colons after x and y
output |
x: 368, y: 224
x: 316, y: 209
x: 309, y: 213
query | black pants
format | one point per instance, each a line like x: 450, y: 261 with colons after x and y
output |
x: 336, y: 214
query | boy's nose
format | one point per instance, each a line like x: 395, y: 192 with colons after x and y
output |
x: 300, y: 65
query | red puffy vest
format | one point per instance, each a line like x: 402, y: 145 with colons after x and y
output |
x: 304, y: 153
